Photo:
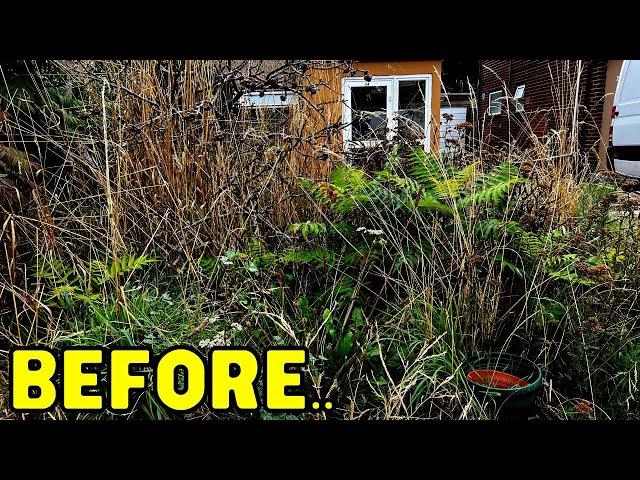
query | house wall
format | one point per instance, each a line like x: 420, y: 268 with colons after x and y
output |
x: 317, y: 121
x: 548, y: 100
x: 320, y: 115
x: 613, y: 73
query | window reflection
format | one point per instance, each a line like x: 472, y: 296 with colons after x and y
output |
x: 369, y: 112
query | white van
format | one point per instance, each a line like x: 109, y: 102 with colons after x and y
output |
x: 624, y: 133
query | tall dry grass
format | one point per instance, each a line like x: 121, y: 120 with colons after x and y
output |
x: 164, y: 163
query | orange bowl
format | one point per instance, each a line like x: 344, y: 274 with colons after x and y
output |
x: 495, y: 379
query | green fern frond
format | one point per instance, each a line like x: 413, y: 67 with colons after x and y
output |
x: 465, y: 174
x: 493, y: 186
x: 102, y: 272
x: 449, y: 188
x: 426, y: 169
x: 430, y: 202
x: 348, y: 178
x: 497, y: 228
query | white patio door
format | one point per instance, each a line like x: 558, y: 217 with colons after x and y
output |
x: 387, y: 106
x: 368, y: 111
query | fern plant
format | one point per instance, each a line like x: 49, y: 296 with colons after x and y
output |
x: 66, y: 286
x: 429, y: 185
x: 429, y: 188
x: 102, y: 272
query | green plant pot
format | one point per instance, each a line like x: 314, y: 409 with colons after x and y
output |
x: 511, y: 381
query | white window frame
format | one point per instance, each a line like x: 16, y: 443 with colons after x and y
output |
x: 392, y: 82
x: 271, y: 98
x: 518, y: 96
x: 494, y: 113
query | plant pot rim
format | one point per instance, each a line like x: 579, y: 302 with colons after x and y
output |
x: 474, y: 364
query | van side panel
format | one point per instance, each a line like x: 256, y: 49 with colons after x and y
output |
x: 631, y: 83
x: 626, y: 125
x: 630, y: 168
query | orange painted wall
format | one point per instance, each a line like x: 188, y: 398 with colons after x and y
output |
x: 318, y: 119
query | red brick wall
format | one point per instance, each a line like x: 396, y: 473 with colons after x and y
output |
x: 547, y: 100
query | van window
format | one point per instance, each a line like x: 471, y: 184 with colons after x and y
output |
x: 631, y: 87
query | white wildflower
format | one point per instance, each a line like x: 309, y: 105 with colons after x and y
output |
x: 237, y: 326
x: 166, y: 298
x: 369, y: 231
x: 219, y: 340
